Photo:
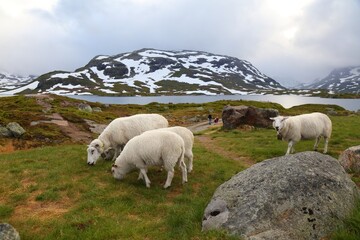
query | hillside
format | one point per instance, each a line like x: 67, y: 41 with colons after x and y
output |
x: 342, y: 80
x: 157, y: 72
x: 49, y: 192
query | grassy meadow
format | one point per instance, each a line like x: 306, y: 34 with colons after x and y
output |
x: 49, y: 192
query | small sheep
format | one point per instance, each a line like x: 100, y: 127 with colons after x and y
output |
x: 188, y: 138
x: 120, y: 131
x: 152, y: 148
x: 305, y: 126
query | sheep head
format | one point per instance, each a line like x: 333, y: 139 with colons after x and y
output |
x: 278, y: 124
x: 94, y: 150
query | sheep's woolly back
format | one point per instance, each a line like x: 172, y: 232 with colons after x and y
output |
x: 186, y: 135
x: 306, y: 126
x: 151, y: 148
x: 121, y: 130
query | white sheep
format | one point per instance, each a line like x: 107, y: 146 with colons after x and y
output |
x: 152, y: 148
x: 188, y: 138
x: 120, y: 131
x: 305, y: 126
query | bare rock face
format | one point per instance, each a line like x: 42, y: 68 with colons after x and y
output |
x: 299, y: 196
x: 350, y: 159
x: 235, y: 116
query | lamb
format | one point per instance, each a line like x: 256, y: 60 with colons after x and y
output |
x: 305, y: 126
x: 188, y: 138
x: 152, y: 148
x: 120, y: 131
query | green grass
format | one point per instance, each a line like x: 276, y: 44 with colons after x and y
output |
x: 79, y: 201
x: 51, y: 193
x: 351, y: 228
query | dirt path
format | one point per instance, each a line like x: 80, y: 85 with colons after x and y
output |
x: 210, y: 144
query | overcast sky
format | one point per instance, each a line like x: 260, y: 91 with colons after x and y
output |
x: 288, y: 40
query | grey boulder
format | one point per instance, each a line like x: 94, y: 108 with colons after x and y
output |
x: 299, y: 196
x: 8, y: 232
x: 350, y: 159
x: 15, y: 129
x: 235, y: 116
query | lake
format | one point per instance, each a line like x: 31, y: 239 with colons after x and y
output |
x: 286, y: 101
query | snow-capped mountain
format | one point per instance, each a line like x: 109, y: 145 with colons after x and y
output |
x: 342, y: 80
x: 157, y: 72
x: 9, y: 82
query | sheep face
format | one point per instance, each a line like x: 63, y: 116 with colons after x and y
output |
x: 278, y: 124
x: 94, y: 151
x: 92, y: 155
x: 117, y: 172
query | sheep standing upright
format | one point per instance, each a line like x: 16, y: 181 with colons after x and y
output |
x: 305, y: 126
x: 120, y: 131
x: 152, y: 148
x: 188, y: 138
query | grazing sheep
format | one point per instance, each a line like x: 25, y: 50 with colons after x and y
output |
x: 188, y: 138
x: 120, y: 131
x: 305, y: 126
x: 152, y: 148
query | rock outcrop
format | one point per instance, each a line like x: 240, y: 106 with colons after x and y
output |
x: 235, y: 116
x: 299, y: 196
x: 350, y: 159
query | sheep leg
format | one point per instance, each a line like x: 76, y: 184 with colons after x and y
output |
x: 316, y: 143
x: 190, y: 164
x: 147, y: 180
x: 116, y: 154
x: 141, y: 176
x: 183, y: 171
x: 170, y: 176
x: 290, y: 147
x: 326, y: 144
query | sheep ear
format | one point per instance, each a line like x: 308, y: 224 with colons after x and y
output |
x: 273, y: 119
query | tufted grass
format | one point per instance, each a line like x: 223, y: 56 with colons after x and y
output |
x: 51, y: 193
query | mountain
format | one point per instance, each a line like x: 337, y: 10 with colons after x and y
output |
x: 157, y: 72
x: 341, y: 80
x: 10, y: 83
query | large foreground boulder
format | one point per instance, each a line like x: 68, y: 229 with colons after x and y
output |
x: 235, y: 116
x: 350, y: 159
x: 8, y: 232
x: 299, y: 196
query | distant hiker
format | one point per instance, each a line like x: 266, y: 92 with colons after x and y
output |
x: 210, y: 118
x: 216, y: 120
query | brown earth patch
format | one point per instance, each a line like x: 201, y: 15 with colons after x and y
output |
x: 41, y: 210
x: 210, y: 144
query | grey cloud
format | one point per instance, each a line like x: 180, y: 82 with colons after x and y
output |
x: 328, y: 34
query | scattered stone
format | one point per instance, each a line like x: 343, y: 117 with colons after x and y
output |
x: 15, y: 129
x: 4, y: 132
x: 298, y: 196
x: 95, y: 127
x: 8, y: 232
x: 350, y: 159
x: 194, y: 119
x: 331, y: 111
x: 85, y: 107
x: 96, y: 109
x: 235, y: 116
